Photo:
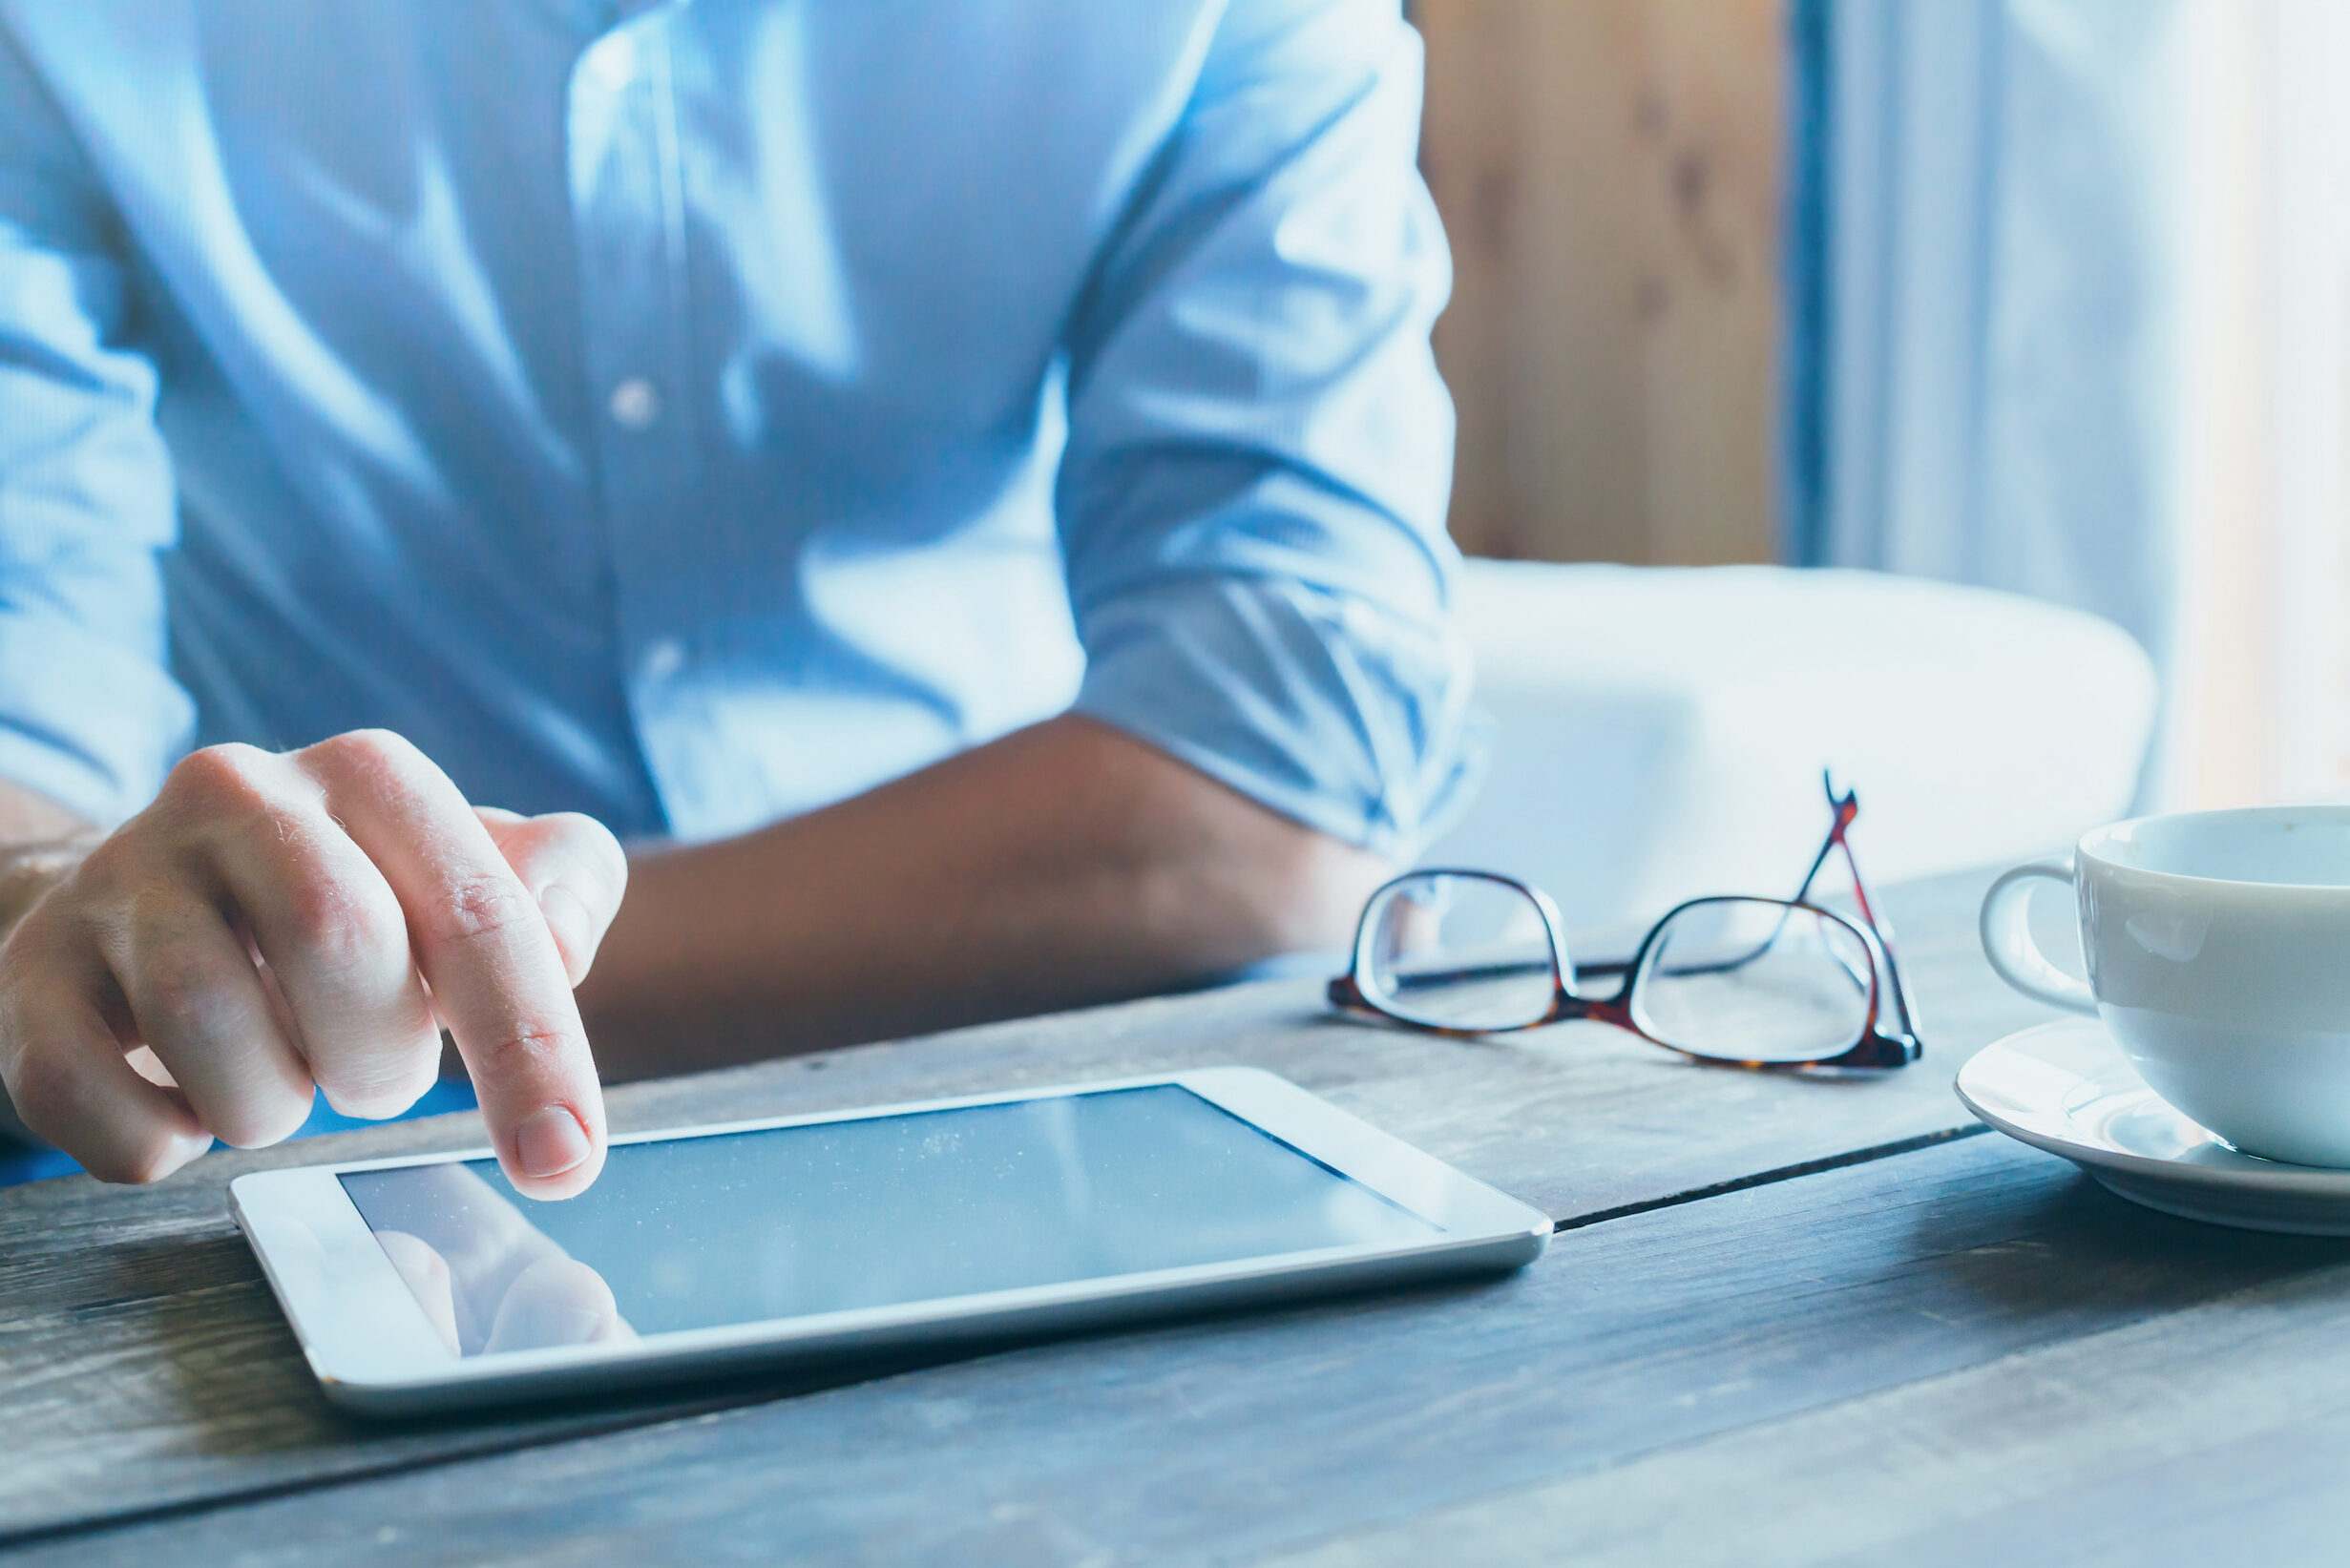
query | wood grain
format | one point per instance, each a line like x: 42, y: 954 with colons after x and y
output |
x: 1610, y: 175
x: 2212, y: 1434
x: 1650, y: 1335
x: 143, y: 1365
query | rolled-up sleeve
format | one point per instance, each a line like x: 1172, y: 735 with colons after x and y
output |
x: 1253, y: 497
x: 88, y: 713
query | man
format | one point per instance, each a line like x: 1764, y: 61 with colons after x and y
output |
x: 959, y: 486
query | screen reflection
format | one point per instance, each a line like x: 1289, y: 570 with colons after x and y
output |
x: 745, y: 1227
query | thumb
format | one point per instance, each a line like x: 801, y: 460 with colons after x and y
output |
x: 573, y: 866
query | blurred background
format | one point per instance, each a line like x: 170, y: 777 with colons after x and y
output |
x: 2051, y: 296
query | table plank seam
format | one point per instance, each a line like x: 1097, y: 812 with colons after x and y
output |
x: 2079, y: 1375
x: 120, y: 1286
x: 24, y: 1537
x: 1779, y: 1173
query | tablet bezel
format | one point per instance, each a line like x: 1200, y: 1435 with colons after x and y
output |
x: 373, y: 1349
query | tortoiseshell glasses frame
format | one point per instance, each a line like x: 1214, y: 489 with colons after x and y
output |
x: 1887, y: 1036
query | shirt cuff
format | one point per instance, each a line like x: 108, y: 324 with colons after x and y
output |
x: 1322, y: 706
x: 84, y: 721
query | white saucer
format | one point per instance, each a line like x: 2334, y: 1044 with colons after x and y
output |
x: 2065, y: 1087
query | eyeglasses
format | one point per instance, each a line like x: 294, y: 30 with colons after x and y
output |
x: 1766, y: 983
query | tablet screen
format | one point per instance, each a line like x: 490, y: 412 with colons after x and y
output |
x: 739, y: 1227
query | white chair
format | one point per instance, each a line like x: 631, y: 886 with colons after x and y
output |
x: 1660, y: 732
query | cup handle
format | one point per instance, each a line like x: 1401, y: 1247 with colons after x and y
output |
x: 2008, y: 940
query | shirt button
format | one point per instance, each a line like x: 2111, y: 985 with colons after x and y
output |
x: 635, y: 405
x: 663, y: 659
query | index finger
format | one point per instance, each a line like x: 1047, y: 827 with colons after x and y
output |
x: 478, y: 935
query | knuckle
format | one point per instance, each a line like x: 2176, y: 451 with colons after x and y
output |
x: 598, y: 850
x: 478, y: 909
x: 521, y: 1052
x: 336, y: 922
x: 174, y: 982
x: 576, y: 853
x: 232, y: 799
x: 375, y: 756
x: 221, y: 777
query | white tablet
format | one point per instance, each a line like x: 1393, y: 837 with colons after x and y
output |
x: 421, y: 1283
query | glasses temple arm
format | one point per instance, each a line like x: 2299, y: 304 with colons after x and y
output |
x: 1835, y: 836
x: 1845, y: 810
x: 1884, y: 928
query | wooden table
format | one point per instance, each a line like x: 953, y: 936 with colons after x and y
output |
x: 1786, y: 1321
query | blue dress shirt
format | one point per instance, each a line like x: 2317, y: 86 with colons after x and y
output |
x: 693, y: 413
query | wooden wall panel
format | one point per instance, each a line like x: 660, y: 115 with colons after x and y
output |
x: 1609, y: 173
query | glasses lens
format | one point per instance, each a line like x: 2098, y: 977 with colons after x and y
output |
x: 1460, y: 953
x: 1750, y: 980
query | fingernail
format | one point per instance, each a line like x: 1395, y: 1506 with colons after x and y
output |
x: 568, y: 918
x: 549, y: 1142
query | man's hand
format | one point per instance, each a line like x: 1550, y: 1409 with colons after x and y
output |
x: 272, y: 922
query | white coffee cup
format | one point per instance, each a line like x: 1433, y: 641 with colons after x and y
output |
x: 2218, y: 949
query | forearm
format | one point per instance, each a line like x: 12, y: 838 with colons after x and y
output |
x: 1062, y: 864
